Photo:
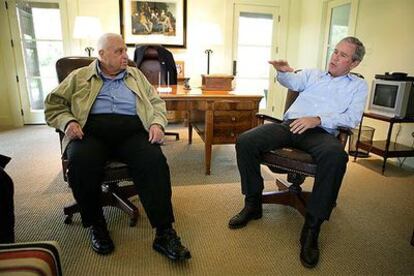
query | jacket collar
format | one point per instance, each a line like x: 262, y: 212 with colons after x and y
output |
x: 93, y: 70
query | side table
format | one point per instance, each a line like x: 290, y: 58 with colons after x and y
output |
x: 385, y: 148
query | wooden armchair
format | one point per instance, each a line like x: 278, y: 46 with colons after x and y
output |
x: 115, y: 172
x: 295, y: 163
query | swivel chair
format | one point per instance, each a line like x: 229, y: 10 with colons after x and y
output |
x: 295, y: 163
x: 115, y: 172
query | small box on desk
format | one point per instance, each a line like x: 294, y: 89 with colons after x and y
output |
x: 217, y: 82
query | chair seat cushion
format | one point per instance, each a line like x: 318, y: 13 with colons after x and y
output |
x: 287, y: 160
x: 116, y: 171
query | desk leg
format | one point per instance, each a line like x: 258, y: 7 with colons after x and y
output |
x: 208, y: 148
x: 387, y: 146
x: 190, y: 133
x: 209, y: 123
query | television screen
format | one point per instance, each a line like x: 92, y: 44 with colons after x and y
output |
x: 385, y: 95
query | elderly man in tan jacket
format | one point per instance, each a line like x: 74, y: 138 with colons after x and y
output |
x: 110, y: 109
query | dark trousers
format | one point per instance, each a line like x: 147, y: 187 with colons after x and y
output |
x: 325, y: 149
x: 124, y: 138
x: 7, y: 219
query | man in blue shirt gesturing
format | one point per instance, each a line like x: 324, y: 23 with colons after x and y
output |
x: 326, y: 100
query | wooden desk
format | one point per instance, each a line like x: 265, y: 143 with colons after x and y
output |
x: 217, y: 116
x: 385, y: 148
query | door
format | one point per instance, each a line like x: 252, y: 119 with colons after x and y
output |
x: 37, y: 33
x: 340, y: 22
x: 254, y: 39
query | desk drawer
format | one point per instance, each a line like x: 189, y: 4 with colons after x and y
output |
x: 230, y: 124
x: 227, y: 135
x: 235, y: 105
x: 232, y: 118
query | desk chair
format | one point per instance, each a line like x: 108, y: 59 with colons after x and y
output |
x: 295, y: 163
x: 115, y: 172
x: 158, y: 66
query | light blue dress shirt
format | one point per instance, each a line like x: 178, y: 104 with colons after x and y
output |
x: 337, y: 101
x: 115, y: 97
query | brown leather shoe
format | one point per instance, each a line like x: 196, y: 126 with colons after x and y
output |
x: 244, y: 216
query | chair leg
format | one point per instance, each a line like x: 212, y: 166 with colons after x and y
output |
x: 112, y: 195
x: 288, y: 196
x: 120, y: 198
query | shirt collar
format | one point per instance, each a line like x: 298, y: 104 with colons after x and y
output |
x: 349, y: 75
x: 94, y: 70
x: 119, y: 76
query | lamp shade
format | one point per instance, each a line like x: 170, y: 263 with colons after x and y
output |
x: 87, y: 27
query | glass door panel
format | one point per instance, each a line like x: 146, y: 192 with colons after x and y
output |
x: 253, y: 42
x: 338, y: 27
x: 40, y: 44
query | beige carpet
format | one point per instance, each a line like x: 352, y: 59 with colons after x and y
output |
x: 368, y: 234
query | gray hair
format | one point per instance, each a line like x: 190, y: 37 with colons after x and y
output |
x: 104, y: 39
x: 359, y: 47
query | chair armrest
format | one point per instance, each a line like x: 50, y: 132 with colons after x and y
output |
x: 263, y: 117
x: 344, y: 134
x: 345, y: 130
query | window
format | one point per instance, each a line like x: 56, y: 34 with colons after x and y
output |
x: 42, y: 44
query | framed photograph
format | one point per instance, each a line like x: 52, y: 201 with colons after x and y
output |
x: 160, y: 22
x: 180, y: 68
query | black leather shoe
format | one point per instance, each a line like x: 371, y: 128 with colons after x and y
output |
x: 169, y: 244
x: 246, y: 214
x: 100, y: 240
x: 309, y: 253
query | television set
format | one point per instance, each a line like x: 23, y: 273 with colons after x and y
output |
x: 392, y: 98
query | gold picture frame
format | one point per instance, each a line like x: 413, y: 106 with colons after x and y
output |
x: 160, y: 22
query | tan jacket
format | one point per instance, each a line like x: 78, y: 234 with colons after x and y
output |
x: 74, y: 97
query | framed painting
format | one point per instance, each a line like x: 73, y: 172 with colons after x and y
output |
x: 160, y: 22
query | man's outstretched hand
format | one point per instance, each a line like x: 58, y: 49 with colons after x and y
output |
x: 281, y: 65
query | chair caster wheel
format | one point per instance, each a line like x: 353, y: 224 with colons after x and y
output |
x: 132, y: 222
x: 68, y: 220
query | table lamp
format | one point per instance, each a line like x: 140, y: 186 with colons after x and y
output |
x: 87, y: 28
x: 213, y: 34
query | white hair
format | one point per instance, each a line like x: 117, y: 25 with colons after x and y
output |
x: 104, y: 39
